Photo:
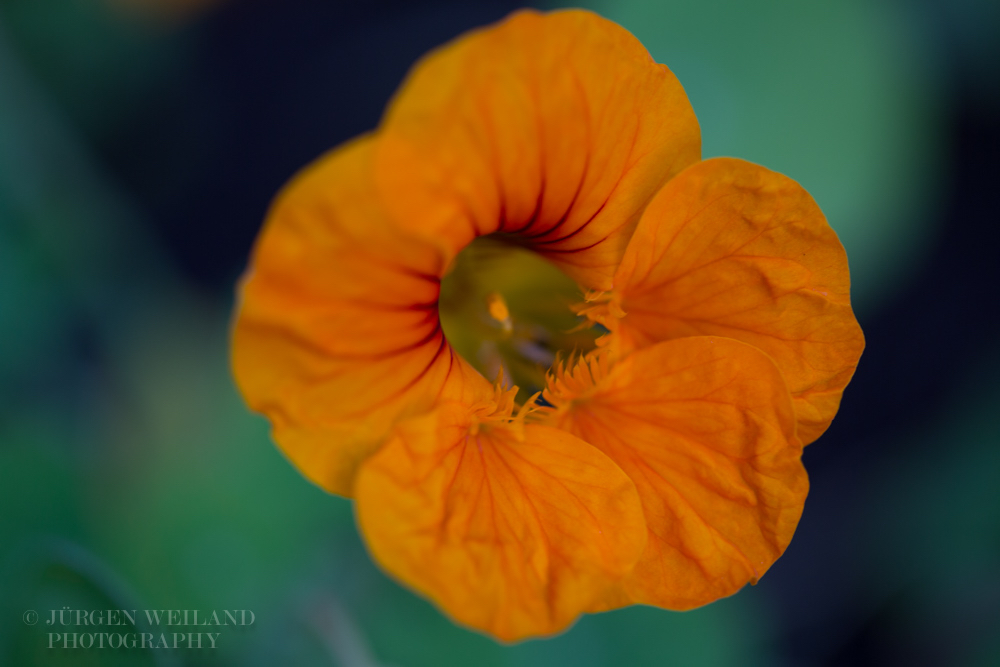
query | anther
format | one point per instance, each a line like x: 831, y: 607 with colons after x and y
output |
x: 498, y: 311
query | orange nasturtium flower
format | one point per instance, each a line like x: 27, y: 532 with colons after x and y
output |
x: 532, y: 186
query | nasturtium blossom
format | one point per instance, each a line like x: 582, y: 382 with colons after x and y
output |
x: 561, y: 363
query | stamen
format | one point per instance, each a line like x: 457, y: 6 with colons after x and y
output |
x: 498, y: 310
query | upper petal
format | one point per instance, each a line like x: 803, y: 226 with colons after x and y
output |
x: 729, y: 248
x: 512, y: 533
x: 556, y: 128
x: 337, y: 332
x: 704, y: 427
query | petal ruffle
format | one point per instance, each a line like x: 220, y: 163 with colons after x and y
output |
x: 704, y: 427
x: 729, y: 248
x: 514, y: 533
x: 554, y: 128
x: 337, y: 331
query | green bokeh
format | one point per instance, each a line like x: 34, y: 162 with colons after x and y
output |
x: 841, y: 96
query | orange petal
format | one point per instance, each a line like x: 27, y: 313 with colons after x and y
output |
x: 514, y: 533
x: 705, y: 428
x: 728, y: 248
x: 554, y: 128
x: 337, y: 331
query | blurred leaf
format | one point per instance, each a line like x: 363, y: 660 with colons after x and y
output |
x: 98, y: 65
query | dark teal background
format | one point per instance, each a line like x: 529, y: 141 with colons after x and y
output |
x: 138, y: 155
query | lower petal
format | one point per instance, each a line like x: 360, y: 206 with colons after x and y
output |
x: 511, y: 532
x: 705, y: 428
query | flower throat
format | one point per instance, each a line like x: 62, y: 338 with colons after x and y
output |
x: 507, y: 310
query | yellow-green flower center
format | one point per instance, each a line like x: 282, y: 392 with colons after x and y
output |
x: 507, y: 309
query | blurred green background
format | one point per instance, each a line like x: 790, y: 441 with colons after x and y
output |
x: 140, y: 143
